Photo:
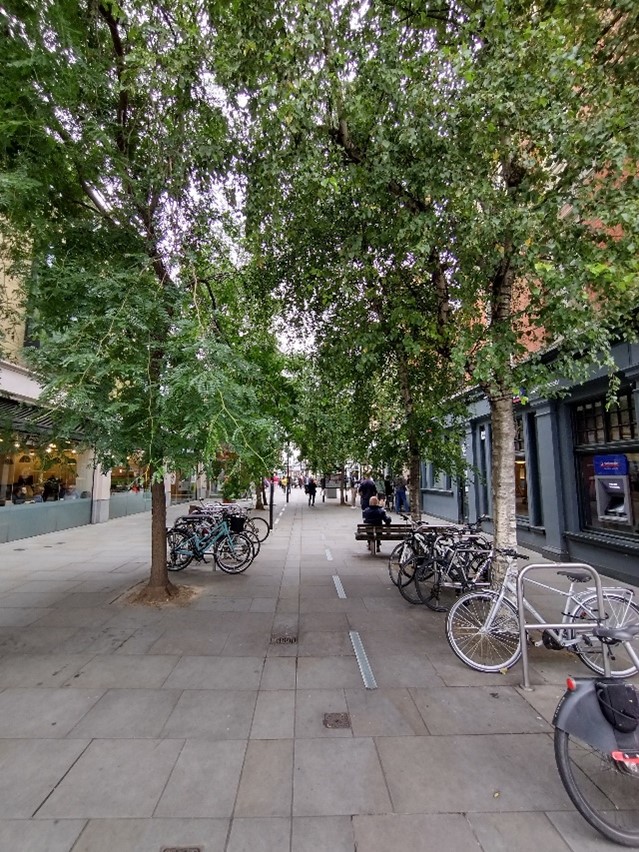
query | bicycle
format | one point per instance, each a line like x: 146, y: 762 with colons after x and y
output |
x: 233, y: 552
x: 482, y: 627
x: 420, y: 540
x: 252, y: 523
x: 437, y: 563
x: 458, y: 565
x: 596, y: 743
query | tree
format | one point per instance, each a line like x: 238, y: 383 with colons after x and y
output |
x: 115, y: 155
x: 490, y: 148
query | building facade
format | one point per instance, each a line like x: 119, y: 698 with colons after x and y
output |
x: 576, y: 472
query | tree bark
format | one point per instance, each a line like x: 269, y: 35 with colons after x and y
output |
x: 159, y: 587
x: 503, y: 477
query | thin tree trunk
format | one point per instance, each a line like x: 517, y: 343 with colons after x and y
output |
x: 503, y: 476
x: 159, y: 587
x: 259, y: 493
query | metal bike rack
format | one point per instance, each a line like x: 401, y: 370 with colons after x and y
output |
x: 521, y: 611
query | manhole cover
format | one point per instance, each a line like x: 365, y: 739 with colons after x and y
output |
x: 284, y: 639
x: 337, y: 720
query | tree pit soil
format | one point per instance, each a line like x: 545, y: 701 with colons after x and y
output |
x: 165, y: 596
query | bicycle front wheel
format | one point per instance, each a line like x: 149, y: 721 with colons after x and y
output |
x: 178, y: 549
x: 603, y: 790
x: 619, y: 611
x: 234, y: 553
x: 484, y: 632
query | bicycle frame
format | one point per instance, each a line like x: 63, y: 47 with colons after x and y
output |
x: 508, y: 591
x: 203, y: 544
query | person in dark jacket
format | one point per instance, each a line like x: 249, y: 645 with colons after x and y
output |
x: 367, y: 489
x: 375, y: 515
x: 311, y: 488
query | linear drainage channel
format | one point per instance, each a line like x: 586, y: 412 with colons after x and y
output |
x: 362, y: 661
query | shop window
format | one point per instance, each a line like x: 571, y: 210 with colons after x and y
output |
x: 31, y: 473
x: 607, y: 460
x: 594, y: 425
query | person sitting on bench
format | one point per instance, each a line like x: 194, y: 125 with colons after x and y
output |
x: 375, y: 516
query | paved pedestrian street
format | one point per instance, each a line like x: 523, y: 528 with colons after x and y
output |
x: 241, y: 722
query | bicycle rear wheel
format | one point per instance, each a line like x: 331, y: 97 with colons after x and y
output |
x: 484, y: 633
x: 234, y: 553
x: 400, y: 554
x: 259, y: 526
x: 406, y: 581
x: 178, y: 549
x: 428, y: 577
x: 605, y: 791
x: 619, y: 611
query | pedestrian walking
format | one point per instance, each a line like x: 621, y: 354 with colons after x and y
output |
x: 311, y: 489
x: 401, y: 499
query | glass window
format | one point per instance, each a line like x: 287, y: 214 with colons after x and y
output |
x: 594, y: 425
x: 521, y: 481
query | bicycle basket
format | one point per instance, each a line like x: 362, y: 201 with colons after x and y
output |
x: 619, y: 703
x: 236, y: 523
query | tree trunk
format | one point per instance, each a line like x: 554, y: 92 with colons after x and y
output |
x: 159, y: 588
x: 503, y: 477
x: 259, y: 493
x: 414, y: 489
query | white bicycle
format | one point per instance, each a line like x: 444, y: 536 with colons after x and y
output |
x: 482, y: 627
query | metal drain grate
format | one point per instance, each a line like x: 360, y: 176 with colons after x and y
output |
x: 337, y: 720
x: 182, y: 849
x: 284, y: 639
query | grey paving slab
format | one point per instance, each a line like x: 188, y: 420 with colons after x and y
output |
x: 192, y: 642
x: 384, y: 712
x: 416, y: 833
x: 500, y: 772
x: 265, y: 786
x: 312, y: 705
x: 328, y: 672
x: 205, y: 780
x: 20, y: 617
x: 338, y: 776
x: 212, y: 714
x: 40, y: 669
x: 128, y: 713
x: 111, y: 671
x: 534, y: 831
x: 114, y: 778
x: 321, y: 834
x: 151, y: 835
x: 274, y: 716
x: 577, y: 834
x: 216, y: 673
x: 402, y: 670
x: 260, y: 835
x: 39, y: 836
x: 41, y: 712
x: 279, y: 673
x: 326, y: 643
x: 30, y: 769
x: 476, y: 710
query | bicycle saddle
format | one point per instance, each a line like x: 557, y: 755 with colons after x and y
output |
x: 576, y: 576
x: 619, y: 634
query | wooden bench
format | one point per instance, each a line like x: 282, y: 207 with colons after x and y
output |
x: 373, y: 534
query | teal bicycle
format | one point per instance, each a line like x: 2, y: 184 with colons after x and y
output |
x: 232, y: 551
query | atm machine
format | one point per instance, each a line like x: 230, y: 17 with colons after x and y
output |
x: 612, y: 489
